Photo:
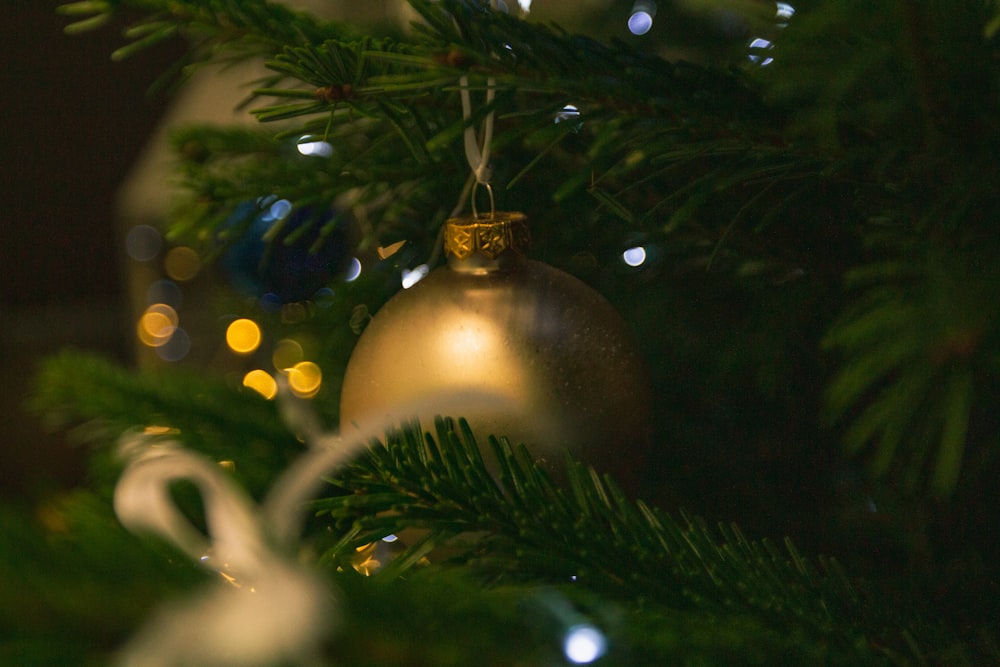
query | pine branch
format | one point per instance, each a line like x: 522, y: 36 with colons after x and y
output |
x: 76, y: 583
x: 525, y: 528
x: 768, y: 172
x: 912, y: 345
x: 101, y: 400
x: 249, y: 27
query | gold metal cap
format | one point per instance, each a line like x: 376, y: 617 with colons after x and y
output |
x: 492, y: 237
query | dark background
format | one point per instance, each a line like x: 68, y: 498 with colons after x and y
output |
x: 74, y: 122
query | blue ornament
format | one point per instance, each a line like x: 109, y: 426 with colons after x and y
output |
x: 280, y: 256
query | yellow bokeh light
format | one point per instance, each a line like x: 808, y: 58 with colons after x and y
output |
x: 286, y: 354
x: 304, y: 379
x: 243, y: 336
x: 182, y: 263
x: 261, y: 382
x: 157, y: 325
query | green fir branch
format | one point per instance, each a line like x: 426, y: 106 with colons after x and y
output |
x: 101, y: 401
x: 911, y: 344
x: 508, y: 521
x: 735, y: 168
x: 253, y: 27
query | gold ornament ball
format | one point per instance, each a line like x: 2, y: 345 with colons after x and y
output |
x: 515, y: 346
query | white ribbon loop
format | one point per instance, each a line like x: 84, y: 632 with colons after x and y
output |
x: 478, y: 158
x: 143, y: 504
x: 267, y: 608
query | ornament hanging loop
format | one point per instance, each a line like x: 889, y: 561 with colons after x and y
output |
x: 489, y: 191
x: 478, y: 155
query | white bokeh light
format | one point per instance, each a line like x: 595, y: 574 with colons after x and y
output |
x: 280, y: 209
x: 584, y: 644
x: 411, y: 278
x: 353, y: 271
x: 760, y: 44
x: 634, y: 256
x: 314, y: 147
x: 640, y: 21
x: 568, y: 112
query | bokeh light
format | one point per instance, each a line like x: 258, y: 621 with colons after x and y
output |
x: 165, y: 291
x: 270, y: 302
x: 784, y: 11
x: 313, y: 147
x: 640, y: 21
x: 584, y: 644
x: 353, y: 271
x: 243, y: 336
x: 279, y: 209
x: 176, y: 347
x: 262, y: 382
x: 286, y: 354
x: 305, y: 379
x: 324, y: 297
x: 411, y: 278
x: 157, y: 325
x: 182, y: 263
x: 143, y: 243
x: 568, y: 112
x: 634, y: 256
x: 758, y: 47
x: 295, y: 312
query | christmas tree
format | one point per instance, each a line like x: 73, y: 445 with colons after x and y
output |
x: 788, y: 204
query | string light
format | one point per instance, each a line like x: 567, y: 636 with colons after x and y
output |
x: 634, y: 256
x: 313, y: 147
x: 411, y: 278
x: 640, y: 21
x: 584, y: 644
x: 760, y: 45
x: 568, y: 112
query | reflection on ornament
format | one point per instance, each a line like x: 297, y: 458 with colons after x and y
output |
x: 495, y: 323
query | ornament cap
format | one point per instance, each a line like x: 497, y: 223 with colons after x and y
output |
x: 486, y: 242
